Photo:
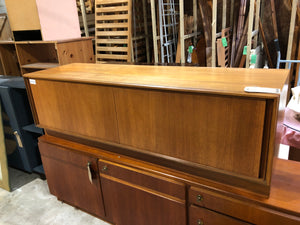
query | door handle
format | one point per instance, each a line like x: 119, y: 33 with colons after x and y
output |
x: 89, y: 172
x: 19, y: 141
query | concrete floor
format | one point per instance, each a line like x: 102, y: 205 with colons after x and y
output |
x: 32, y: 204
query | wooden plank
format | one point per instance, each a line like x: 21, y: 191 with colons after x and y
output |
x: 109, y: 2
x: 232, y: 12
x: 240, y: 26
x: 112, y: 41
x: 181, y: 30
x: 241, y: 45
x: 291, y: 33
x: 262, y: 33
x: 214, y: 30
x: 250, y: 28
x: 4, y: 177
x: 195, y: 15
x: 107, y: 56
x: 111, y: 25
x: 40, y: 65
x: 274, y: 20
x: 154, y: 31
x: 146, y: 30
x: 206, y: 15
x: 113, y: 49
x: 112, y: 33
x: 224, y: 12
x: 83, y: 14
x: 129, y: 44
x: 112, y: 9
x: 257, y: 16
x: 112, y: 17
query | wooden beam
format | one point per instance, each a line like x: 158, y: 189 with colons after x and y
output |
x: 240, y: 47
x: 250, y: 28
x: 257, y: 16
x: 4, y: 178
x: 206, y: 15
x: 154, y: 32
x: 214, y: 30
x: 181, y: 30
x: 291, y: 33
x: 274, y: 20
x: 146, y: 30
x: 262, y: 33
x: 224, y: 14
x: 195, y: 15
x: 241, y: 20
x: 83, y: 13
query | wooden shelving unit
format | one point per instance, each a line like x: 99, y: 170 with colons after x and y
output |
x: 39, y: 55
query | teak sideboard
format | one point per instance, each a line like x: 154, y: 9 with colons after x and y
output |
x: 164, y: 145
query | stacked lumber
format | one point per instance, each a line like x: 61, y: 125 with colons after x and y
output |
x: 113, y: 30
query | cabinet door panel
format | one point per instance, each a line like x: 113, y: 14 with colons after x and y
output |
x: 128, y: 201
x: 199, y: 215
x: 68, y: 178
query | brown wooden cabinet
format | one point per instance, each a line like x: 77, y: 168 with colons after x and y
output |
x: 73, y: 177
x: 167, y: 145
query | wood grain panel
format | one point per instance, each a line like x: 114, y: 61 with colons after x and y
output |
x: 208, y: 217
x: 225, y: 81
x: 76, y: 108
x: 21, y: 18
x: 69, y: 180
x: 128, y: 204
x: 76, y: 51
x: 217, y: 131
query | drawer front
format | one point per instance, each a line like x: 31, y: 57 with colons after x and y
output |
x: 202, y: 216
x: 143, y: 179
x: 242, y: 210
x: 66, y: 155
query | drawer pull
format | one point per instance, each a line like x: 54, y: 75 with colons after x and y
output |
x: 19, y: 141
x: 89, y: 172
x: 199, y: 198
x: 104, y: 168
x: 200, y: 222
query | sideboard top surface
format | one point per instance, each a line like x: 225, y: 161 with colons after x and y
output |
x: 229, y: 81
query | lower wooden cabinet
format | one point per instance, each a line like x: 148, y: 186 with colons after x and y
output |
x: 127, y: 191
x: 72, y: 177
x: 132, y: 196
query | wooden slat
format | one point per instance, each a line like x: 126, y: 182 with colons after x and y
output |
x: 109, y: 56
x: 40, y: 65
x: 112, y: 41
x: 291, y: 32
x: 108, y: 2
x: 112, y: 25
x: 112, y: 9
x: 112, y: 17
x: 112, y: 49
x: 112, y: 33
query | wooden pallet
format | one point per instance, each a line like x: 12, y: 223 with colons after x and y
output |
x: 113, y: 30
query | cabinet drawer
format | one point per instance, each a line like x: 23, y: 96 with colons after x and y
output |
x: 142, y: 178
x: 66, y: 155
x: 202, y: 216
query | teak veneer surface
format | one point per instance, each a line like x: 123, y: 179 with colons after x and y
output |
x: 192, y: 79
x: 197, y: 117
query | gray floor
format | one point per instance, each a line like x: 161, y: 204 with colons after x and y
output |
x: 32, y: 204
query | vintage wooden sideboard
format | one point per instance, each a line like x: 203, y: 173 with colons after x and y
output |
x: 166, y: 145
